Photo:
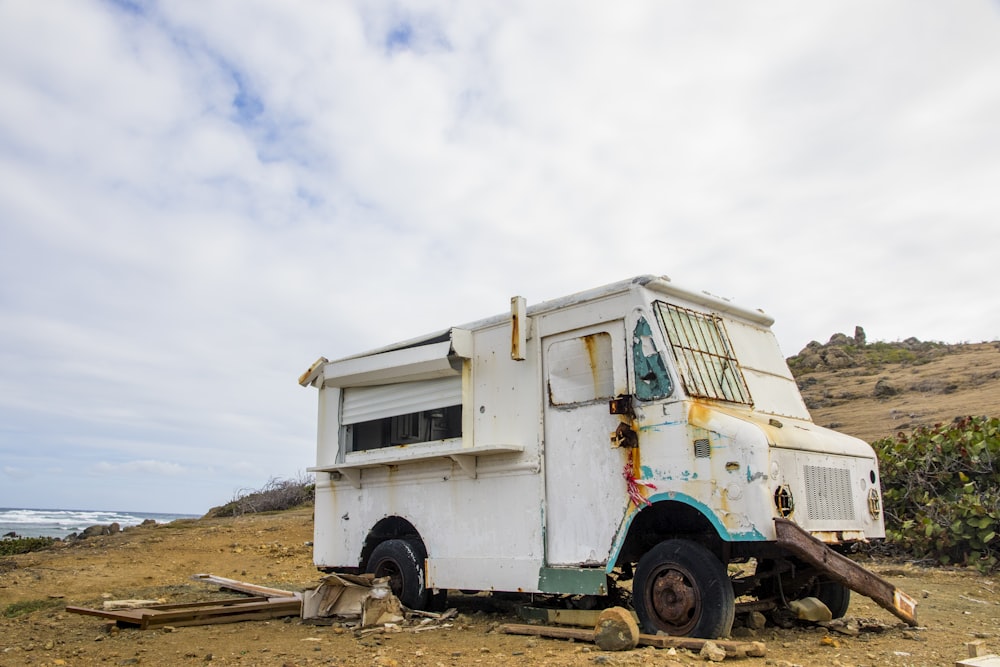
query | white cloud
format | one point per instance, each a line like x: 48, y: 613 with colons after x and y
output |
x: 145, y: 467
x: 200, y: 199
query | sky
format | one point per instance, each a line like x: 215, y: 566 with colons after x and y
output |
x: 198, y: 198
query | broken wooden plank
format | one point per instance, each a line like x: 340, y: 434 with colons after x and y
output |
x: 581, y: 618
x: 244, y: 587
x: 845, y: 571
x: 733, y: 649
x: 980, y: 661
x: 199, y: 613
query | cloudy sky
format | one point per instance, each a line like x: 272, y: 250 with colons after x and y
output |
x: 199, y: 198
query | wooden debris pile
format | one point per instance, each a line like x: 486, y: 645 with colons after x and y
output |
x: 367, y: 605
x: 615, y: 629
x: 360, y: 602
x: 262, y: 603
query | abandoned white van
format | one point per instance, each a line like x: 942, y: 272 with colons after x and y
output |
x: 638, y: 431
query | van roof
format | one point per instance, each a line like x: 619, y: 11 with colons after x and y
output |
x: 661, y: 284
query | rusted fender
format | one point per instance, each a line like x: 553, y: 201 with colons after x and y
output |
x: 845, y: 571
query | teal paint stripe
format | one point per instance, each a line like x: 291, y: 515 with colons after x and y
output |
x: 573, y: 580
x: 753, y: 535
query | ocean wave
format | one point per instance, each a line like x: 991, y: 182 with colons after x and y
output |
x: 55, y: 522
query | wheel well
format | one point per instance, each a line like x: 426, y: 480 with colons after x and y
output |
x: 389, y: 528
x: 665, y: 520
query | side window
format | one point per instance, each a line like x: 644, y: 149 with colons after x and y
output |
x: 581, y: 369
x: 651, y: 377
x: 404, y: 413
x: 414, y: 427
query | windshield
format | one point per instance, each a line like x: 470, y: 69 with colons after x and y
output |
x: 705, y: 358
x: 728, y: 360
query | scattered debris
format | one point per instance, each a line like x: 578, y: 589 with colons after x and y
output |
x: 582, y: 618
x: 380, y: 606
x: 810, y: 609
x: 264, y: 603
x: 978, y: 656
x: 198, y: 613
x: 338, y: 595
x: 712, y: 652
x: 616, y: 630
x: 129, y: 604
x: 244, y: 587
x: 733, y: 649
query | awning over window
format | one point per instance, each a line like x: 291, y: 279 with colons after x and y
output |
x: 407, y: 364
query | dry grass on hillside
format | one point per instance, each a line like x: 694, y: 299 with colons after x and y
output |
x: 964, y: 380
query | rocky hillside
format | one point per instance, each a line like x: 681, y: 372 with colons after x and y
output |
x: 874, y: 390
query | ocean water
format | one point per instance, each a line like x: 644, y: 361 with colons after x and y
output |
x: 60, y: 523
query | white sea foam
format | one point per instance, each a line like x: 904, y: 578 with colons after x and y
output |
x: 60, y: 523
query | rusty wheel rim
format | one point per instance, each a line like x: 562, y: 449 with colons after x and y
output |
x: 676, y: 601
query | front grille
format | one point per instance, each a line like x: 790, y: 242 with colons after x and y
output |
x: 828, y: 493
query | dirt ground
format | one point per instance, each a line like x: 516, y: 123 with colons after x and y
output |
x: 956, y: 606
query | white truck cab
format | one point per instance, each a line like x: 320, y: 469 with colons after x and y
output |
x: 637, y: 431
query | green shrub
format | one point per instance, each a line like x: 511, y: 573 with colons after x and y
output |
x: 22, y: 545
x: 942, y: 492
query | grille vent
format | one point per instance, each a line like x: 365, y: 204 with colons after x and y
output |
x: 828, y: 493
x: 701, y: 448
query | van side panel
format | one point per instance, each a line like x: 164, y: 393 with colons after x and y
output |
x: 481, y: 521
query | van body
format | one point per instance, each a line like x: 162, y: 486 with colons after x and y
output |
x: 638, y: 431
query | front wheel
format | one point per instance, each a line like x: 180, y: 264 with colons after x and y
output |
x: 682, y: 589
x: 403, y: 562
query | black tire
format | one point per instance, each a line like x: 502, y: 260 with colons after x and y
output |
x: 806, y: 582
x: 836, y: 597
x: 682, y: 589
x: 403, y: 562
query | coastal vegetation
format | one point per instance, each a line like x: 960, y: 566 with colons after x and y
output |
x: 22, y: 545
x: 276, y: 495
x: 942, y: 492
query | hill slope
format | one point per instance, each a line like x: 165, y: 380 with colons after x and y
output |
x: 874, y: 390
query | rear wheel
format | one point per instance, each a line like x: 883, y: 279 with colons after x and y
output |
x: 799, y: 581
x: 836, y: 597
x: 403, y: 562
x: 682, y: 589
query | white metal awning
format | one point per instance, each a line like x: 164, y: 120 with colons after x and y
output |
x: 407, y: 364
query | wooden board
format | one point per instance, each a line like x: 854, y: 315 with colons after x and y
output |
x: 199, y: 613
x: 734, y: 649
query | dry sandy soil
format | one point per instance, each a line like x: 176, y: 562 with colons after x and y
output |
x: 956, y: 606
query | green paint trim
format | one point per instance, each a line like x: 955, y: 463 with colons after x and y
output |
x: 753, y: 535
x: 573, y: 580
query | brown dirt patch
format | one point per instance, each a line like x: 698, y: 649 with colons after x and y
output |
x: 956, y: 606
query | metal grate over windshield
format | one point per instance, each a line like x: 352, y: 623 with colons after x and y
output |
x: 704, y: 355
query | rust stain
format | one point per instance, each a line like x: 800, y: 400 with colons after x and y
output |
x: 590, y: 343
